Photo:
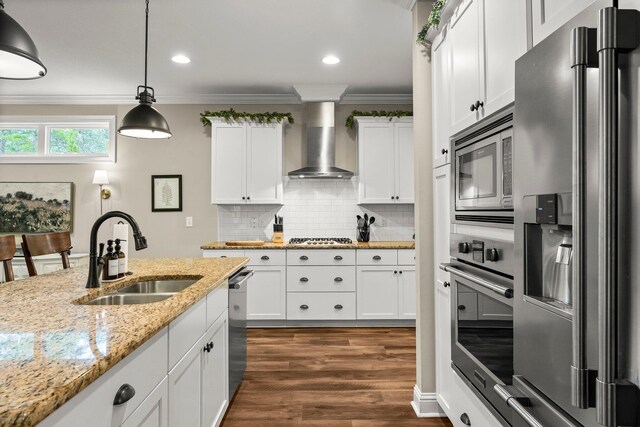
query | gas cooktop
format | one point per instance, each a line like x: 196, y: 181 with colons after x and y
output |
x: 320, y: 241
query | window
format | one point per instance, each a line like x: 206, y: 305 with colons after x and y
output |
x: 57, y: 139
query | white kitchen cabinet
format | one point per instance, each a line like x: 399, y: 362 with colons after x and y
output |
x: 321, y: 306
x: 377, y: 292
x: 441, y: 219
x: 549, y: 15
x: 385, y: 160
x: 441, y: 103
x: 486, y: 37
x: 445, y: 391
x: 45, y: 264
x: 406, y: 292
x: 154, y: 410
x: 185, y: 389
x: 266, y: 293
x: 215, y: 369
x: 246, y: 162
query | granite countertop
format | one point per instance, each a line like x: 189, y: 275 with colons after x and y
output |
x: 356, y: 245
x: 51, y: 347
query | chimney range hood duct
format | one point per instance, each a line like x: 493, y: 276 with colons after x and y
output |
x: 321, y: 145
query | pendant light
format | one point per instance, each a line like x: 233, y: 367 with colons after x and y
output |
x: 144, y: 121
x: 18, y: 53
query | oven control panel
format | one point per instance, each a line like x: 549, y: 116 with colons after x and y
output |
x: 493, y: 254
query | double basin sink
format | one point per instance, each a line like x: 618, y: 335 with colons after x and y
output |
x: 143, y: 292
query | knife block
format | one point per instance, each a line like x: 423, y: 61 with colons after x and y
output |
x: 278, y: 234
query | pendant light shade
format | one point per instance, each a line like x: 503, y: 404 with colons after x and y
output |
x: 144, y: 121
x: 19, y: 59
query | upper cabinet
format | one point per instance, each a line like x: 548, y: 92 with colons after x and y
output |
x: 549, y: 15
x: 440, y: 59
x: 385, y: 160
x: 246, y: 161
x: 486, y: 37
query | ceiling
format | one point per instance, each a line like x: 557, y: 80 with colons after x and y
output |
x: 240, y: 49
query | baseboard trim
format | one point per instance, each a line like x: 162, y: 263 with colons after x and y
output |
x: 426, y: 404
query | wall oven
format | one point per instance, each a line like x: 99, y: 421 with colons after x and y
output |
x: 482, y: 172
x: 482, y: 316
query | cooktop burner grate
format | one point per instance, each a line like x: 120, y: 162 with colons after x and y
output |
x: 313, y: 241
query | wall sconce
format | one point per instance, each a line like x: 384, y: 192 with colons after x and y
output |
x: 101, y: 178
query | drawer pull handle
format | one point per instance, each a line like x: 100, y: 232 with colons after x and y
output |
x: 304, y: 307
x: 465, y: 419
x: 337, y: 258
x: 338, y: 307
x: 223, y: 256
x: 124, y: 394
x: 446, y: 284
x: 462, y: 307
x: 338, y: 279
x: 264, y: 258
x: 304, y: 279
x: 377, y: 257
x: 304, y: 257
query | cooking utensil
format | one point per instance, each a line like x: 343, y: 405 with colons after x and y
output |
x: 366, y: 218
x: 372, y: 220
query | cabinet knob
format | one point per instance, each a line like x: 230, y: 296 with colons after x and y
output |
x: 248, y: 198
x: 304, y: 257
x: 338, y: 307
x: 461, y: 307
x: 392, y: 197
x: 337, y: 258
x: 395, y: 271
x: 304, y: 307
x: 244, y: 198
x: 479, y: 104
x: 208, y: 347
x: 444, y: 151
x: 446, y: 284
x: 124, y: 394
x: 465, y: 419
x: 338, y: 279
x: 264, y: 257
x: 377, y: 257
x: 397, y: 197
x: 400, y: 271
x: 304, y: 279
x: 473, y: 107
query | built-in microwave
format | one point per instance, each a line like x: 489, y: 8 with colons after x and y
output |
x: 482, y: 172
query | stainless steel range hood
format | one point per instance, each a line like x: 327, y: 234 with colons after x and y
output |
x: 321, y: 145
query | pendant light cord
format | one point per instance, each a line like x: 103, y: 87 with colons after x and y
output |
x: 146, y: 42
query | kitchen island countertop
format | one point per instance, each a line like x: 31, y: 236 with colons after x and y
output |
x: 400, y: 244
x: 46, y: 335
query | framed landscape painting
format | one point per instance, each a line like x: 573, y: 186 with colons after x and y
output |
x: 36, y: 207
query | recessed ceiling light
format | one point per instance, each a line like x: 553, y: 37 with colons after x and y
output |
x: 330, y: 60
x: 181, y: 59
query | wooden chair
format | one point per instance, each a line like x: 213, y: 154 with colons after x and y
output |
x: 45, y: 244
x: 7, y: 250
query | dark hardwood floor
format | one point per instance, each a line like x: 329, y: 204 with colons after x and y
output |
x: 329, y: 377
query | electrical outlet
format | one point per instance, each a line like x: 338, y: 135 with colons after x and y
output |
x: 189, y: 221
x: 254, y: 223
x: 382, y: 222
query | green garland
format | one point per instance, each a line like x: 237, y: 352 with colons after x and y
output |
x: 238, y: 116
x: 350, y: 123
x: 432, y: 22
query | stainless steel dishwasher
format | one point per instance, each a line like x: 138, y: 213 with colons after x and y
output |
x: 237, y: 328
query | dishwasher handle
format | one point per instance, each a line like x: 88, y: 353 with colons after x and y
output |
x: 518, y: 405
x: 237, y: 280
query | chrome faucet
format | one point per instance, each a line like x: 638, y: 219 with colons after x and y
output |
x: 93, y: 281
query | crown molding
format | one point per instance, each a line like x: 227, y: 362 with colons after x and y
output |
x: 407, y: 4
x: 207, y: 99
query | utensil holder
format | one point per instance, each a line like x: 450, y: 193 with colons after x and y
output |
x: 362, y: 235
x: 278, y: 233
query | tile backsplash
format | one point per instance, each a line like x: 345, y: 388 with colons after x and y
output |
x: 315, y: 208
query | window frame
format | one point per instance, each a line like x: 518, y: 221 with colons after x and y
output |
x: 44, y: 124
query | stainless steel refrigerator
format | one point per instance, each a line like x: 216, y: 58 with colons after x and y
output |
x: 577, y: 224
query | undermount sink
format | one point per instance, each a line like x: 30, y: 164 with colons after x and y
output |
x: 126, y: 299
x: 157, y: 286
x: 144, y: 292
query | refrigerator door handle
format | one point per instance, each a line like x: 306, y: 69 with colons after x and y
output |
x: 616, y: 34
x: 583, y: 55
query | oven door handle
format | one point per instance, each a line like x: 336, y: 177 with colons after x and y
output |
x: 500, y: 290
x: 519, y: 408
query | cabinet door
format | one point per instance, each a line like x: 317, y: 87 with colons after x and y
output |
x: 376, y: 165
x: 153, y: 411
x: 505, y: 40
x: 444, y: 374
x: 377, y: 292
x: 264, y: 163
x: 442, y: 220
x: 404, y: 163
x: 549, y: 15
x: 266, y: 293
x: 185, y: 390
x: 407, y: 293
x: 215, y: 372
x: 228, y: 163
x: 441, y: 103
x: 465, y: 65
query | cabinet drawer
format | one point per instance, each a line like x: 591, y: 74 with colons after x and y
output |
x: 223, y: 253
x: 377, y: 257
x: 406, y: 257
x: 143, y: 369
x: 321, y: 279
x: 321, y: 257
x: 217, y: 302
x: 266, y: 257
x: 321, y: 306
x: 186, y: 330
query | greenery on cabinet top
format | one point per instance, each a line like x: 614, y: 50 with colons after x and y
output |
x: 238, y: 116
x: 351, y: 123
x: 432, y: 22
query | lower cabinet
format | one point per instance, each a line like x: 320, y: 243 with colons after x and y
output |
x: 198, y: 384
x: 266, y: 293
x: 386, y: 292
x: 154, y: 410
x: 407, y: 293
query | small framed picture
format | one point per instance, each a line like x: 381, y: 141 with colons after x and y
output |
x: 166, y: 193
